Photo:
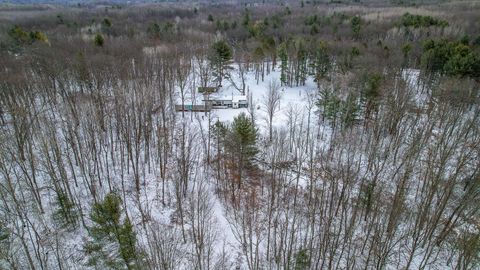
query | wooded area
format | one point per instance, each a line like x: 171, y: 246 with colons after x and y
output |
x: 359, y: 149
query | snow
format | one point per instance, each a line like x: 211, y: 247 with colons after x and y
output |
x: 239, y: 98
x: 297, y: 97
x: 297, y: 106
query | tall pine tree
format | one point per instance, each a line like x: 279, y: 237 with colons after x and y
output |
x: 220, y: 59
x: 239, y: 143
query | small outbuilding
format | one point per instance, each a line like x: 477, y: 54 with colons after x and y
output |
x: 208, y: 89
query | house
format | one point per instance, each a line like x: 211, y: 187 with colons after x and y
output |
x: 239, y: 102
x: 219, y: 103
x: 234, y: 102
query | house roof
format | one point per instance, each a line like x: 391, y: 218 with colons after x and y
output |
x: 239, y: 98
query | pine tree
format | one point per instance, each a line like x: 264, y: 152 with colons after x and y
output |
x: 153, y: 30
x: 99, y: 40
x: 282, y: 54
x: 113, y: 243
x: 302, y: 259
x: 371, y: 93
x: 321, y: 61
x: 127, y: 241
x: 106, y: 22
x: 220, y: 59
x: 244, y: 134
x: 219, y: 131
x: 65, y: 214
x: 355, y: 24
x: 349, y: 110
x: 406, y: 49
x: 329, y: 104
x: 301, y: 70
x: 246, y: 18
x: 240, y: 142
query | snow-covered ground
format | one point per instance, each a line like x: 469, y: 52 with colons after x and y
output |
x: 298, y: 97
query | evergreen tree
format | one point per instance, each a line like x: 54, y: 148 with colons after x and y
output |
x: 366, y: 196
x: 153, y: 30
x: 113, y: 243
x: 349, y: 111
x: 127, y: 240
x: 4, y: 232
x: 240, y: 142
x: 329, y: 104
x: 268, y: 44
x: 450, y: 58
x: 106, y: 22
x: 5, y: 242
x: 65, y: 214
x: 406, y: 49
x: 371, y: 93
x: 220, y: 59
x: 219, y: 131
x: 321, y: 61
x: 19, y: 38
x: 355, y: 24
x: 282, y: 54
x: 417, y: 21
x: 301, y: 69
x: 99, y: 40
x: 244, y: 134
x: 246, y: 18
x: 302, y: 260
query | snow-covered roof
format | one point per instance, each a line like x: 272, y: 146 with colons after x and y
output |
x: 239, y: 98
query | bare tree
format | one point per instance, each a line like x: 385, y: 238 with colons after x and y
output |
x: 271, y: 101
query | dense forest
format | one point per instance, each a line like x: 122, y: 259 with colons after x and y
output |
x: 240, y: 135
